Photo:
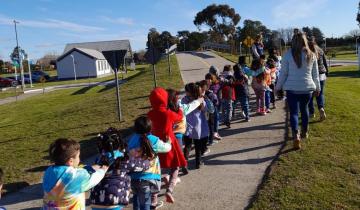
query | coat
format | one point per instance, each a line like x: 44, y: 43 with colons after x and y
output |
x: 163, y: 120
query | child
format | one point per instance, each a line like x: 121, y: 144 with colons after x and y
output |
x: 197, y: 129
x: 174, y: 104
x: 114, y: 190
x: 228, y: 96
x: 146, y: 185
x: 259, y: 85
x: 64, y: 183
x: 242, y: 90
x: 215, y: 88
x: 271, y: 74
x: 163, y: 120
x: 226, y: 72
x: 211, y: 102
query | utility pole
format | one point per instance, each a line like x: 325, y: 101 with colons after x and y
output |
x: 168, y: 56
x: 19, y: 59
x: 118, y: 101
x: 29, y: 66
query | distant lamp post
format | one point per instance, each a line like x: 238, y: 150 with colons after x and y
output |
x: 356, y: 45
x: 240, y: 49
x: 325, y: 44
x: 72, y: 56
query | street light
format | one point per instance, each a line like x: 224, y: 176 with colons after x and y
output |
x: 20, y: 60
x: 74, y: 65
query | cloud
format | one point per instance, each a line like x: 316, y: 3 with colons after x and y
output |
x: 119, y: 20
x: 292, y: 10
x: 51, y: 24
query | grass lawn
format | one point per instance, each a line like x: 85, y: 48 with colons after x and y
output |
x: 325, y: 174
x: 29, y: 126
x: 9, y: 93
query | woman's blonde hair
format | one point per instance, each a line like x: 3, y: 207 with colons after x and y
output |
x: 299, y: 44
x: 314, y: 47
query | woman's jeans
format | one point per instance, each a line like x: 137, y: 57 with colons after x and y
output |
x: 141, y: 194
x: 296, y: 102
x: 320, y: 100
x: 267, y: 99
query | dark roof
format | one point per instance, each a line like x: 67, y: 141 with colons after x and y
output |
x: 101, y: 46
x: 87, y: 52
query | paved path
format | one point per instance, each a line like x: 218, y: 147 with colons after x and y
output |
x: 34, y: 92
x: 335, y: 62
x: 233, y: 169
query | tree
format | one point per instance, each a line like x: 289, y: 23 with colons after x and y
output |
x: 252, y: 28
x: 358, y: 15
x: 221, y: 19
x: 318, y: 34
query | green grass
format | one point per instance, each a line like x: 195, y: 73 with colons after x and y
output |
x: 28, y: 127
x: 325, y: 174
x: 9, y: 93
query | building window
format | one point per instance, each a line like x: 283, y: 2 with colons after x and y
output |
x: 98, y: 64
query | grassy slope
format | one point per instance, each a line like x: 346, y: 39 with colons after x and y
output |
x: 29, y: 126
x: 326, y: 173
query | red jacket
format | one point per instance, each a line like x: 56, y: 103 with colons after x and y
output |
x: 228, y: 92
x: 163, y: 120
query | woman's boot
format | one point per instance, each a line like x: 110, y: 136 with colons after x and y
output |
x: 296, y: 138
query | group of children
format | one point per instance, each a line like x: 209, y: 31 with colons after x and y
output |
x: 161, y: 143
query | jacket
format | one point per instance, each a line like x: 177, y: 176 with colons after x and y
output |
x: 196, y: 122
x: 154, y: 172
x: 163, y: 120
x: 65, y: 186
x: 303, y: 79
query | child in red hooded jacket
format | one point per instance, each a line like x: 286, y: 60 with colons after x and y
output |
x: 163, y: 120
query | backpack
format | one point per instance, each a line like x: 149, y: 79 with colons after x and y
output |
x: 209, y: 105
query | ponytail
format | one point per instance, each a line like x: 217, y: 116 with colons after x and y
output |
x: 147, y: 150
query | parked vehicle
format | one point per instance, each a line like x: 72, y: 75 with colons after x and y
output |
x: 6, y: 82
x: 26, y: 78
x: 38, y: 74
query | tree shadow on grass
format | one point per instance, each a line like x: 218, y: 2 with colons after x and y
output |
x: 351, y: 74
x: 83, y: 90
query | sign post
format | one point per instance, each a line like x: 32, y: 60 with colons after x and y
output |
x: 152, y: 57
x: 248, y: 42
x: 118, y: 102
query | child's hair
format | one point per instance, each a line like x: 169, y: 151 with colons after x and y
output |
x: 270, y: 63
x: 193, y: 89
x: 62, y: 150
x: 203, y: 83
x: 209, y: 76
x: 262, y: 56
x: 142, y: 126
x: 108, y: 142
x: 227, y: 68
x: 237, y: 72
x: 255, y: 64
x: 172, y: 100
x: 242, y: 60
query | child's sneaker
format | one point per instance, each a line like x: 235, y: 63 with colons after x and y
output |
x: 268, y: 111
x: 247, y: 119
x: 157, y: 206
x: 322, y: 114
x: 243, y: 114
x: 217, y: 136
x: 178, y: 180
x: 207, y: 151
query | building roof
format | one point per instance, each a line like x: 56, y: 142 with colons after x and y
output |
x: 101, y: 46
x: 88, y: 52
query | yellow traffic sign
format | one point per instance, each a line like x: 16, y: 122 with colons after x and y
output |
x: 248, y: 41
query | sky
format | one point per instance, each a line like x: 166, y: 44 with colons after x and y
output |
x: 46, y: 26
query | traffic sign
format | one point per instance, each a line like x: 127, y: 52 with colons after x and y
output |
x: 248, y: 41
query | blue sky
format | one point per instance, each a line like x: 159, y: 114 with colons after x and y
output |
x: 47, y: 25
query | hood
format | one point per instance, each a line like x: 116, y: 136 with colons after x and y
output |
x: 159, y: 98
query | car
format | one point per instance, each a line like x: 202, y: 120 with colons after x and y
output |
x: 38, y: 74
x: 26, y: 79
x: 6, y: 82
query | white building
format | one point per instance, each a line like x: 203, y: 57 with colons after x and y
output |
x: 93, y: 59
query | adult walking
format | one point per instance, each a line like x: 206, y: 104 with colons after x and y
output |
x: 257, y: 49
x: 323, y: 71
x: 299, y: 77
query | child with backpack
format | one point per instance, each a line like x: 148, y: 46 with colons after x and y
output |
x: 271, y: 72
x: 242, y: 90
x: 259, y: 85
x: 146, y: 185
x: 211, y: 102
x: 65, y: 183
x: 214, y: 86
x: 113, y: 191
x: 228, y: 96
